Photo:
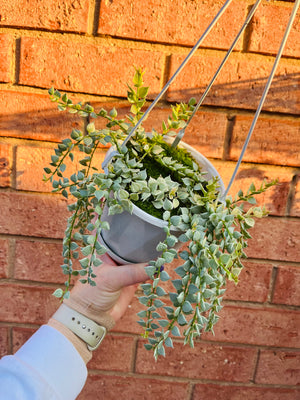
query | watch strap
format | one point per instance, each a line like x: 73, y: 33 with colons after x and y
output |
x: 86, y: 329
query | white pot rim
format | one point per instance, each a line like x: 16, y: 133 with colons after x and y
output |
x: 202, y: 161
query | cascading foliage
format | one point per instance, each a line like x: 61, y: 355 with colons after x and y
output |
x: 167, y: 184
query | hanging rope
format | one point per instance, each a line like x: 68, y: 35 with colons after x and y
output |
x: 248, y: 19
x: 264, y: 95
x: 182, y: 65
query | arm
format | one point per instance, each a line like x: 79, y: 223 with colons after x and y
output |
x: 41, y: 364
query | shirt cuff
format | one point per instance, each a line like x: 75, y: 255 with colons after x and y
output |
x: 55, y: 358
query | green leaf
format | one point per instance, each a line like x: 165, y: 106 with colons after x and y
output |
x: 158, y: 303
x: 163, y: 322
x: 175, y: 331
x: 150, y: 271
x: 180, y: 297
x: 169, y: 257
x: 164, y: 276
x: 157, y: 149
x: 84, y: 262
x: 169, y: 342
x: 90, y: 127
x: 161, y: 351
x: 58, y: 293
x: 86, y: 251
x: 142, y: 314
x: 175, y: 220
x: 249, y: 222
x: 187, y: 307
x: 181, y: 320
x: 97, y: 262
x: 62, y: 167
x: 54, y: 159
x: 160, y: 291
x: 167, y: 205
x: 142, y: 91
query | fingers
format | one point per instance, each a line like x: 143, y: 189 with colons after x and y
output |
x: 125, y: 275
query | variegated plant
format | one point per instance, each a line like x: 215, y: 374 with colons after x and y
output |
x: 214, y: 231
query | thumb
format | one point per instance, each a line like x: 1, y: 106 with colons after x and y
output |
x: 126, y: 275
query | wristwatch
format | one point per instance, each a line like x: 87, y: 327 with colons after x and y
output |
x: 86, y: 329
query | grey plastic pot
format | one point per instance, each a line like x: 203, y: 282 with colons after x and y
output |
x: 133, y: 238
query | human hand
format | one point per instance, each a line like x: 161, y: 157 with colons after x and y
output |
x: 106, y: 302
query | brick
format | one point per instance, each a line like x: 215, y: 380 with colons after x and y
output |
x: 253, y: 285
x: 278, y: 368
x: 115, y: 354
x: 206, y: 132
x: 28, y: 215
x: 34, y: 116
x: 54, y: 15
x: 4, y: 342
x: 20, y: 336
x: 275, y: 199
x: 295, y: 205
x: 27, y: 304
x: 240, y: 84
x: 128, y: 323
x: 6, y: 57
x: 38, y: 261
x: 127, y: 387
x: 275, y: 239
x: 286, y: 289
x: 6, y: 160
x: 257, y: 326
x: 268, y: 27
x: 274, y: 141
x: 30, y: 163
x: 205, y: 361
x: 4, y: 254
x: 223, y: 392
x: 63, y: 64
x: 174, y: 22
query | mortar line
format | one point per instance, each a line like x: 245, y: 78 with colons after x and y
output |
x: 17, y: 61
x: 248, y: 32
x: 291, y: 195
x: 93, y: 17
x: 134, y: 354
x: 10, y: 340
x: 255, y: 366
x: 11, y: 258
x: 175, y: 378
x: 228, y: 137
x: 272, y: 283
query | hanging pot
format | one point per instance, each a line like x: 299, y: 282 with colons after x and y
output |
x: 133, y: 238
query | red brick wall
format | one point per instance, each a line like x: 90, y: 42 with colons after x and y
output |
x: 88, y: 48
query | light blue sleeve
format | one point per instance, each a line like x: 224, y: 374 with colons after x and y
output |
x: 46, y: 367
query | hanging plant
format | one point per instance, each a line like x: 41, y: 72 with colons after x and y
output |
x: 185, y: 201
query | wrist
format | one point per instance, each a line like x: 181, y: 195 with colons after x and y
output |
x: 78, y: 343
x: 89, y: 310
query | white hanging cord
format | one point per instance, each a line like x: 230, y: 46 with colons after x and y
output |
x: 248, y: 19
x: 267, y: 87
x: 203, y: 36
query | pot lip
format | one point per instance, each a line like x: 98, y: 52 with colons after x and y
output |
x: 149, y: 218
x: 112, y: 254
x: 202, y: 160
